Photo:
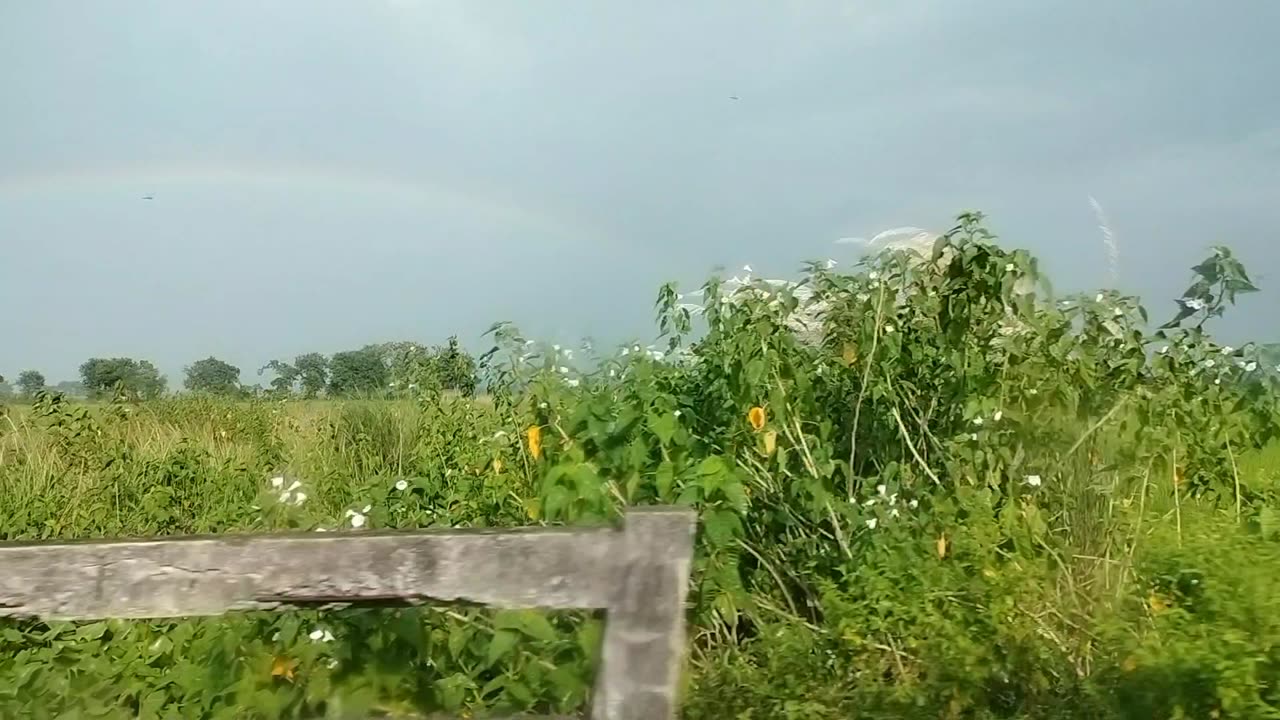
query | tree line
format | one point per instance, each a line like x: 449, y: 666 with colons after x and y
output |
x: 377, y: 369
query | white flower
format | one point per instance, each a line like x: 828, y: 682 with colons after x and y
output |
x: 1164, y: 350
x: 284, y: 497
x: 1117, y: 312
x: 913, y: 504
x: 1008, y: 267
x: 999, y: 414
x: 974, y: 437
x: 873, y: 275
x: 542, y: 405
x: 1209, y: 363
x: 625, y: 351
x: 573, y: 382
x: 357, y: 520
x: 831, y: 263
x: 724, y: 300
x: 1098, y: 297
x: 881, y: 490
x: 1251, y: 366
x: 299, y: 498
x: 277, y: 481
x: 893, y: 512
x: 747, y: 268
x: 1033, y: 480
x: 1193, y: 304
x: 293, y: 486
x: 678, y: 413
x: 888, y: 329
x: 871, y: 524
x: 1033, y: 391
x: 402, y: 485
x: 1227, y: 349
x: 869, y: 503
x: 556, y: 348
x: 977, y: 421
x: 367, y: 508
x: 564, y: 370
x: 321, y: 635
x: 613, y: 373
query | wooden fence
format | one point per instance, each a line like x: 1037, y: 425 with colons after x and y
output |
x: 638, y: 576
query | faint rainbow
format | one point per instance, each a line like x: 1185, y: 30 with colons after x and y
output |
x: 429, y: 195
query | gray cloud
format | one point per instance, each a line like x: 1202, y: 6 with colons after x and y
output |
x: 328, y: 174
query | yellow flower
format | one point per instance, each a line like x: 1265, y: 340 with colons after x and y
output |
x: 1157, y: 603
x: 770, y: 442
x: 756, y: 417
x: 850, y: 354
x: 283, y: 667
x: 942, y: 546
x: 534, y: 434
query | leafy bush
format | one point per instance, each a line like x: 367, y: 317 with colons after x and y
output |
x: 927, y: 488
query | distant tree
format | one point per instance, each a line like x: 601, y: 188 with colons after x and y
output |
x: 286, y: 376
x: 456, y: 368
x: 357, y: 371
x: 213, y: 376
x: 30, y: 382
x: 6, y: 392
x: 136, y: 378
x: 71, y: 388
x: 313, y: 373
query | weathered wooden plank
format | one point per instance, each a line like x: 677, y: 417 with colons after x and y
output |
x: 550, y: 568
x: 639, y: 576
x: 644, y: 624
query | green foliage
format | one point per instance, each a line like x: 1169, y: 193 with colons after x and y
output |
x: 105, y: 377
x: 30, y: 382
x: 213, y: 376
x: 286, y: 376
x: 456, y: 367
x: 357, y: 372
x: 313, y: 373
x: 927, y: 488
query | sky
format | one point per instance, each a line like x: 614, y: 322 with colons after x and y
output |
x: 328, y: 174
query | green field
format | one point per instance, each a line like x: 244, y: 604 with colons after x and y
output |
x: 967, y: 500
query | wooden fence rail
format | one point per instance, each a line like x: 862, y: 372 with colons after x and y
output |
x: 638, y: 576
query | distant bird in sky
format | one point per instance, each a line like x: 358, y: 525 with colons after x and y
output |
x: 733, y: 97
x: 148, y: 197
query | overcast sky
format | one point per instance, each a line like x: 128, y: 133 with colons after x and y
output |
x: 327, y: 174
